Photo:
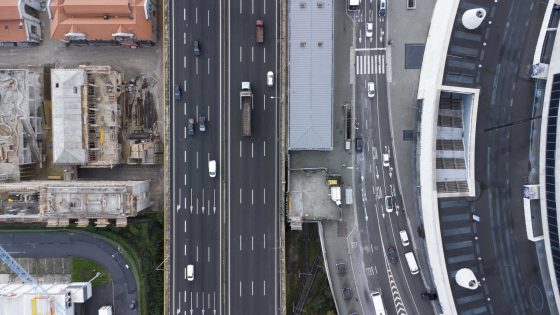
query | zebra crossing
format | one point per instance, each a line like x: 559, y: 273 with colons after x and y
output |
x: 370, y: 64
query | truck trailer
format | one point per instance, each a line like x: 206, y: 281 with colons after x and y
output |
x: 246, y: 98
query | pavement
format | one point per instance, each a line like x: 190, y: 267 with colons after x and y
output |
x: 78, y: 244
x: 252, y: 162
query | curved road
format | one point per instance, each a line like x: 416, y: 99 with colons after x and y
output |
x: 77, y: 244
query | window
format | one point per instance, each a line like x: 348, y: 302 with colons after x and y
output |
x: 33, y: 29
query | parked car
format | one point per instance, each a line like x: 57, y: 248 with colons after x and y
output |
x: 404, y: 238
x: 196, y: 48
x: 202, y: 123
x: 392, y: 255
x: 178, y: 94
x: 371, y: 89
x: 389, y: 204
x: 369, y: 30
x: 359, y: 145
x: 190, y: 127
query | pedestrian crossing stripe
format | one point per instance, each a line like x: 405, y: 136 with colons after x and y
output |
x: 370, y: 64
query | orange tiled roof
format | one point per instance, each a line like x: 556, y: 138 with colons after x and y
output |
x: 12, y: 28
x: 87, y: 16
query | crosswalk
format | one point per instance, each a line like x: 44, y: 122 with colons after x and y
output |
x: 370, y: 64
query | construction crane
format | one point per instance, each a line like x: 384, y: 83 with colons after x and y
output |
x: 28, y: 278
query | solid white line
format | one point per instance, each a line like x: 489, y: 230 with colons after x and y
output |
x: 185, y: 296
x: 196, y: 116
x: 185, y: 181
x: 185, y: 108
x: 240, y: 149
x: 184, y: 85
x: 264, y: 2
x: 185, y: 132
x: 264, y: 240
x: 239, y: 288
x: 185, y: 156
x: 196, y: 15
x: 252, y: 151
x: 264, y: 101
x: 369, y: 49
x: 240, y: 6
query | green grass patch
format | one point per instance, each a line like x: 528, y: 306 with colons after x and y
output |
x: 84, y: 269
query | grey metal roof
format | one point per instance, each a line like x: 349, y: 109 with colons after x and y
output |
x: 310, y: 53
x: 68, y: 141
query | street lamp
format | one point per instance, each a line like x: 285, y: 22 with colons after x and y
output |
x: 273, y: 97
x: 97, y: 274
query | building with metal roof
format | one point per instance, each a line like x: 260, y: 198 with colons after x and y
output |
x: 310, y: 75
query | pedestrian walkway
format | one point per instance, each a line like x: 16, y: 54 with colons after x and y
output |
x: 370, y: 64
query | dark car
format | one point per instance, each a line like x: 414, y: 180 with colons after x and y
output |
x: 359, y: 145
x: 177, y: 92
x: 393, y: 255
x: 190, y: 127
x: 347, y: 293
x: 133, y: 304
x: 196, y: 48
x: 429, y: 296
x: 341, y: 267
x: 202, y: 123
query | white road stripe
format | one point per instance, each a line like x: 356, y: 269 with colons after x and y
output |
x: 240, y: 54
x: 196, y: 253
x: 240, y: 240
x: 240, y: 149
x: 264, y: 148
x: 264, y: 52
x: 252, y: 6
x: 184, y: 38
x: 184, y: 14
x: 208, y: 18
x: 185, y: 132
x: 240, y: 196
x: 239, y: 288
x: 252, y: 54
x: 264, y: 287
x: 185, y: 156
x: 185, y: 62
x: 208, y: 65
x: 196, y: 66
x: 252, y: 151
x: 252, y: 197
x: 209, y: 252
x: 196, y: 15
x: 252, y: 291
x: 197, y: 159
x: 185, y: 252
x: 185, y: 225
x: 382, y: 64
x: 252, y: 247
x: 264, y: 240
x: 264, y: 195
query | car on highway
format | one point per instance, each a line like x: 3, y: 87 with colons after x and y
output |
x: 371, y: 89
x: 404, y: 238
x: 190, y: 127
x: 389, y: 204
x: 270, y: 78
x: 202, y: 123
x: 392, y: 255
x: 382, y: 7
x: 369, y: 30
x: 190, y: 272
x: 386, y: 159
x: 347, y: 293
x: 359, y: 145
x: 196, y: 48
x: 133, y: 304
x: 212, y: 168
x: 178, y: 93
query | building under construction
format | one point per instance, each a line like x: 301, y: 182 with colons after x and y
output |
x: 58, y: 202
x: 86, y: 116
x: 21, y: 108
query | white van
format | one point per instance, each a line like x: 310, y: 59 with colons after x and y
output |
x: 212, y: 168
x: 404, y: 238
x: 190, y: 272
x: 377, y: 303
x: 411, y: 261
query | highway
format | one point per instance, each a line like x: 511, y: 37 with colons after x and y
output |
x: 379, y: 229
x: 252, y: 161
x: 196, y: 197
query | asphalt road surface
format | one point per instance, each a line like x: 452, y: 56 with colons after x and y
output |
x: 379, y: 228
x: 77, y: 244
x: 196, y: 196
x: 253, y: 168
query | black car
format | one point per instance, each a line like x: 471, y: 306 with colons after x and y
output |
x: 347, y: 293
x: 202, y: 123
x: 133, y: 304
x: 177, y: 92
x: 341, y: 267
x: 196, y: 48
x: 429, y: 296
x: 190, y: 127
x: 393, y: 255
x: 359, y: 145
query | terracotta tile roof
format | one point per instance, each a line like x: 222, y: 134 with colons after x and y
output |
x: 87, y: 16
x: 12, y: 27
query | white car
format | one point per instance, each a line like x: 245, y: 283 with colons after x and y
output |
x: 386, y: 159
x: 371, y: 89
x: 369, y: 30
x: 212, y: 168
x: 190, y: 272
x: 270, y: 78
x: 404, y: 238
x: 389, y: 204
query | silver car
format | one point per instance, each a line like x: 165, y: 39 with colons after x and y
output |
x: 371, y: 89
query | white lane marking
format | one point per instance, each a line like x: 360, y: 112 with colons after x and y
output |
x: 185, y: 296
x: 252, y: 195
x: 185, y: 180
x: 185, y: 132
x: 185, y: 273
x: 208, y: 118
x: 239, y: 288
x: 185, y: 225
x: 185, y: 108
x: 196, y: 253
x: 184, y: 14
x: 202, y: 200
x: 264, y: 287
x: 240, y: 54
x: 208, y: 65
x: 264, y: 1
x: 264, y: 101
x: 196, y: 65
x: 264, y: 148
x: 196, y: 159
x: 208, y: 207
x: 196, y: 15
x: 252, y: 291
x: 185, y: 62
x: 184, y: 38
x: 252, y: 247
x: 185, y: 251
x: 208, y: 18
x: 208, y: 253
x: 264, y: 53
x: 184, y: 85
x: 196, y: 300
x: 264, y: 195
x: 264, y: 240
x: 240, y: 149
x: 240, y: 240
x: 240, y: 12
x: 191, y: 206
x: 196, y: 116
x: 252, y: 151
x: 252, y: 54
x: 252, y: 6
x: 240, y: 196
x: 185, y: 156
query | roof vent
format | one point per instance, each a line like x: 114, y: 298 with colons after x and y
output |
x: 301, y: 44
x: 302, y: 5
x: 105, y: 17
x: 320, y: 44
x: 320, y: 5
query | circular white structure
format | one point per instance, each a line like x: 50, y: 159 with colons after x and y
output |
x: 473, y: 18
x: 466, y: 278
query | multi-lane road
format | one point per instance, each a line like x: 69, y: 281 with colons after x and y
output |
x: 225, y: 226
x: 379, y: 229
x: 196, y: 229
